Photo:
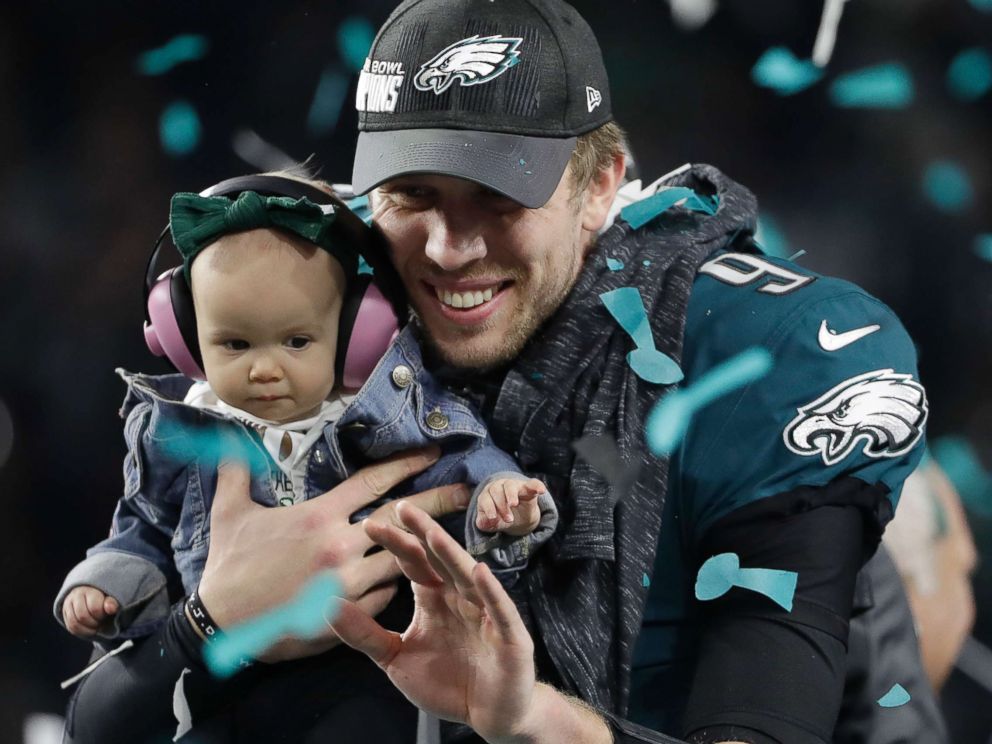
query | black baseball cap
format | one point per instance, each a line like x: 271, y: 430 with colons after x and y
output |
x: 492, y: 91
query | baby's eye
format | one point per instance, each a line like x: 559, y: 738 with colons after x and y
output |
x: 235, y: 344
x: 298, y: 342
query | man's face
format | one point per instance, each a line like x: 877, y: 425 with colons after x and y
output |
x: 483, y: 272
x: 267, y: 311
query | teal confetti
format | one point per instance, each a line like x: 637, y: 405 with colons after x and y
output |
x: 983, y: 246
x: 722, y: 572
x: 210, y: 446
x: 645, y: 580
x: 646, y: 263
x: 779, y: 70
x: 355, y: 36
x: 363, y: 266
x: 970, y: 74
x: 770, y: 238
x: 886, y: 86
x: 179, y: 129
x: 627, y: 308
x: 522, y: 161
x: 641, y: 213
x: 325, y: 109
x: 894, y: 697
x: 984, y: 5
x: 668, y: 422
x: 305, y: 616
x: 536, y: 376
x: 959, y: 461
x: 614, y: 264
x: 947, y: 186
x: 179, y: 49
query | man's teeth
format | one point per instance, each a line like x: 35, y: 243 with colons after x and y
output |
x: 465, y: 299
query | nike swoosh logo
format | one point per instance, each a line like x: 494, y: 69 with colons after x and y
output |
x: 832, y: 341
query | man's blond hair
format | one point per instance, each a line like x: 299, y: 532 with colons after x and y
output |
x: 595, y: 151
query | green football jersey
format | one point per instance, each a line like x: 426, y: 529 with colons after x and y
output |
x: 842, y: 399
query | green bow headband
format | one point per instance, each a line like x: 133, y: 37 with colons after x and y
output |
x: 197, y: 221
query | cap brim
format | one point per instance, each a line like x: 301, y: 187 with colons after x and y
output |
x: 525, y: 169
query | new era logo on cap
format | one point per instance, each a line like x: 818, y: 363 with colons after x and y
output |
x: 593, y: 98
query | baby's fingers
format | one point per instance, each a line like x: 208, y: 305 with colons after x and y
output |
x: 487, y: 518
x: 94, y: 600
x: 531, y: 489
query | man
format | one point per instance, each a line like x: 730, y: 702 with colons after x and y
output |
x: 487, y: 133
x: 469, y: 115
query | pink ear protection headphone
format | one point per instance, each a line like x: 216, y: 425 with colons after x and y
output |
x: 369, y: 313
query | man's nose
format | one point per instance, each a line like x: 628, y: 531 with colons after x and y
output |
x: 264, y: 368
x: 452, y: 245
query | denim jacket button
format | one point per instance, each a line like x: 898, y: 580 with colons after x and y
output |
x: 402, y: 376
x: 437, y: 420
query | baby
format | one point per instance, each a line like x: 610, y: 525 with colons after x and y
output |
x: 269, y: 275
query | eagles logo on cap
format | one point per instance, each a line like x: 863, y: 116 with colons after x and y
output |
x: 470, y: 61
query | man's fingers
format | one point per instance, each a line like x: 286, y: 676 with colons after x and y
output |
x: 406, y: 549
x: 356, y: 628
x: 500, y: 608
x: 379, y: 568
x: 439, y: 501
x: 447, y: 555
x: 232, y: 495
x: 375, y: 480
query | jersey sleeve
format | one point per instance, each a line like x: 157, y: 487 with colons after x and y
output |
x: 842, y: 399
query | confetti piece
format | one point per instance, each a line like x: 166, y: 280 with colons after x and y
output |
x: 983, y: 246
x: 641, y: 213
x: 363, y: 266
x: 355, y: 36
x: 826, y: 36
x: 947, y: 186
x: 209, y: 445
x: 614, y: 264
x: 985, y: 5
x: 779, y: 70
x: 627, y: 308
x: 645, y: 580
x: 646, y: 262
x: 536, y: 376
x: 304, y: 616
x: 602, y: 454
x: 961, y: 464
x: 894, y: 698
x: 179, y: 129
x: 770, y: 238
x: 179, y: 49
x: 970, y: 74
x: 883, y: 86
x: 722, y: 572
x: 668, y: 422
x: 327, y: 101
x: 522, y: 161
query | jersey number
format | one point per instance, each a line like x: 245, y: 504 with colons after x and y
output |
x: 740, y: 269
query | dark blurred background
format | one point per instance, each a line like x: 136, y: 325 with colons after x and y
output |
x: 85, y: 178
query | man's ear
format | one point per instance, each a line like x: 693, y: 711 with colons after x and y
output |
x: 600, y: 193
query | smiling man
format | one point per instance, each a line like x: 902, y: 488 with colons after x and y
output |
x: 495, y: 171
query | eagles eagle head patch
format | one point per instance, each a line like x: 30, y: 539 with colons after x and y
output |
x: 468, y: 62
x: 883, y: 410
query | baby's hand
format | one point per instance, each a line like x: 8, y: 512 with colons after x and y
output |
x: 86, y: 609
x: 509, y: 505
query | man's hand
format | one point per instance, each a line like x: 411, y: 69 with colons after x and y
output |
x: 467, y: 655
x: 260, y: 557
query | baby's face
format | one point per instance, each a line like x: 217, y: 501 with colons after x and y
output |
x: 267, y: 313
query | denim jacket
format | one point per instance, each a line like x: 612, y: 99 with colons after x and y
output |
x: 161, y: 527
